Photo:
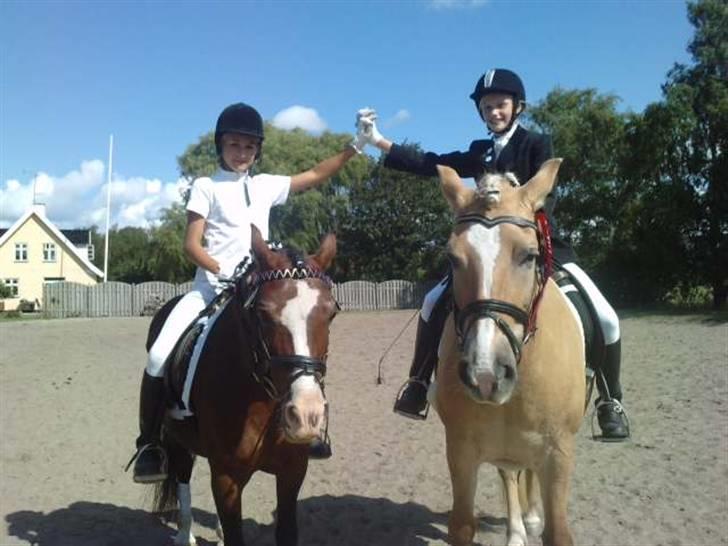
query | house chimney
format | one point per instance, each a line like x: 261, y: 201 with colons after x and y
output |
x: 39, y: 209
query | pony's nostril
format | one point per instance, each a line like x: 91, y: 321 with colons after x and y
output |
x: 510, y: 372
x: 293, y: 418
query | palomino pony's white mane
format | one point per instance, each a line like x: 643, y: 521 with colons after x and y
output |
x: 488, y: 187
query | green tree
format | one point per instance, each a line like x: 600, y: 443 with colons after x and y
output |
x: 704, y: 87
x: 129, y: 252
x: 397, y: 228
x: 167, y: 260
x: 588, y: 133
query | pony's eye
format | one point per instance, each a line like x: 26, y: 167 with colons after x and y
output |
x: 455, y: 261
x: 530, y: 257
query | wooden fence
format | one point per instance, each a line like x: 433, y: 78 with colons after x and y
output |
x: 117, y: 299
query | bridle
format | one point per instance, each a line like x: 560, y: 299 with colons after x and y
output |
x: 491, y: 308
x: 248, y: 287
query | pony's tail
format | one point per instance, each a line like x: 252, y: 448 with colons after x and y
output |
x: 165, y: 492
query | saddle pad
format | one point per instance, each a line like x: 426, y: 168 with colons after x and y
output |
x: 185, y: 357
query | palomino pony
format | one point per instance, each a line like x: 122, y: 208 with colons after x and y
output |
x: 510, y: 388
x: 258, y: 393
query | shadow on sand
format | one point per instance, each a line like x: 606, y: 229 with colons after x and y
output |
x: 323, y: 521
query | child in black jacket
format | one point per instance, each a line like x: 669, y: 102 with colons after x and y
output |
x: 499, y: 98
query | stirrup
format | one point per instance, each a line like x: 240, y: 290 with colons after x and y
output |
x: 416, y: 415
x: 618, y: 408
x: 163, y: 464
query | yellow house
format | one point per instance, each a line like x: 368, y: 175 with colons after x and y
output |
x: 34, y: 252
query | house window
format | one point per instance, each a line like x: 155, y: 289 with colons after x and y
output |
x: 12, y: 284
x: 21, y: 252
x: 91, y: 252
x: 49, y: 252
x: 52, y: 280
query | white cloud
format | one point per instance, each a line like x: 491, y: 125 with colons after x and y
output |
x: 400, y: 117
x: 302, y: 117
x: 456, y: 4
x: 78, y: 198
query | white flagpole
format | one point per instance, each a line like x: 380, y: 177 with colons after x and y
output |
x: 108, y: 208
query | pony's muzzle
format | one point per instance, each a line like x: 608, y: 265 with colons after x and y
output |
x: 489, y: 385
x: 302, y: 425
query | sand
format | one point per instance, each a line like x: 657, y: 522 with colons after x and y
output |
x: 68, y: 403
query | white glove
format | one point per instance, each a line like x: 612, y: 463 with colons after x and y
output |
x: 366, y: 129
x: 366, y: 123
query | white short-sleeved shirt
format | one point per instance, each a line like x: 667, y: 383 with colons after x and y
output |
x: 221, y: 200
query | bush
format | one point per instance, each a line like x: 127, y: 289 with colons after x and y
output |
x: 689, y: 296
x: 26, y: 306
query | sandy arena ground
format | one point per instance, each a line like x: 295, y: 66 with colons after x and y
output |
x: 68, y: 402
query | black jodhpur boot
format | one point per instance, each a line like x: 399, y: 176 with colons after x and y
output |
x: 151, y: 460
x: 412, y: 400
x: 611, y: 415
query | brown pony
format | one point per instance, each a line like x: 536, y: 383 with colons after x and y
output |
x: 258, y: 395
x: 510, y: 388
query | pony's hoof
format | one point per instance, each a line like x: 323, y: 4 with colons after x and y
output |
x: 533, y: 524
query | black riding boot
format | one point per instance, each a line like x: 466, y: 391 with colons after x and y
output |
x: 610, y: 412
x: 151, y: 461
x: 412, y: 401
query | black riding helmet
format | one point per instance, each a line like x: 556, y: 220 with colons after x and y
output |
x: 238, y: 118
x: 499, y: 80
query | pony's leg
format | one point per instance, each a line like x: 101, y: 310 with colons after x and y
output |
x: 555, y: 477
x: 184, y: 536
x: 516, y: 530
x: 182, y: 462
x: 533, y: 519
x: 227, y: 490
x: 288, y: 485
x: 463, y: 463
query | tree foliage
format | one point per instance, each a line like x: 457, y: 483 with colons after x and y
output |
x: 643, y: 196
x: 397, y: 228
x: 587, y: 131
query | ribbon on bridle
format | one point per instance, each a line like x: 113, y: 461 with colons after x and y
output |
x: 491, y: 308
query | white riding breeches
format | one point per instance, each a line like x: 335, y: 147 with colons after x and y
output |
x: 181, y: 316
x: 431, y: 298
x: 608, y: 319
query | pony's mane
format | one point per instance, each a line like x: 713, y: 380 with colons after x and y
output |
x: 488, y: 188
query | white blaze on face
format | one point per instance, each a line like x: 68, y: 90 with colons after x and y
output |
x: 485, y: 243
x: 294, y: 317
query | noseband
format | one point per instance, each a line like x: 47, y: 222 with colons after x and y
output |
x: 300, y: 365
x: 491, y: 308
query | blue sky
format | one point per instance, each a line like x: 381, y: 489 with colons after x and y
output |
x: 156, y: 74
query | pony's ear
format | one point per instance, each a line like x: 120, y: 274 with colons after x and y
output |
x: 261, y: 252
x: 326, y: 252
x: 453, y: 189
x: 541, y: 184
